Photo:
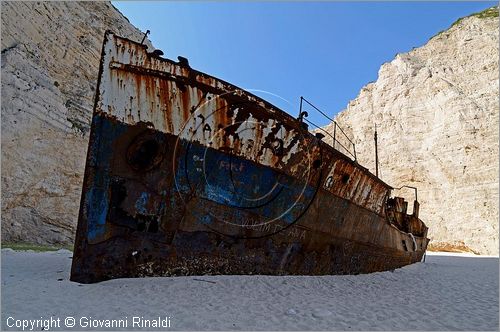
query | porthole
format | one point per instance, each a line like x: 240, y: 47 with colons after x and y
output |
x: 144, y: 153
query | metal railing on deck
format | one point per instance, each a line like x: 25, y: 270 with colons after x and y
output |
x: 304, y: 114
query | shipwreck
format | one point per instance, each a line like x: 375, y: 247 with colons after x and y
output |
x: 189, y: 175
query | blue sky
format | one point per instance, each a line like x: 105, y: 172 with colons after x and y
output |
x: 324, y: 51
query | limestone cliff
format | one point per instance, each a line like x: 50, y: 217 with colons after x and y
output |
x: 50, y: 60
x: 436, y: 110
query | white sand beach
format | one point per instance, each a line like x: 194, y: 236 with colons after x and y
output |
x: 447, y: 292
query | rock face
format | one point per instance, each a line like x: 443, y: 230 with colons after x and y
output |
x: 436, y: 110
x: 50, y: 60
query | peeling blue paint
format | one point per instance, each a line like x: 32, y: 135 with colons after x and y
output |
x: 97, y: 197
x: 242, y: 184
x: 141, y: 203
x: 224, y: 179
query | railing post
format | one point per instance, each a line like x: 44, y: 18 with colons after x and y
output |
x: 334, y: 132
x: 335, y: 125
x: 300, y: 111
x: 375, y: 137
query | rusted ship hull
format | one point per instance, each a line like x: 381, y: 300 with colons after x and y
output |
x: 189, y: 175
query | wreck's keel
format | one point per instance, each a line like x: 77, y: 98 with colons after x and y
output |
x: 203, y: 253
